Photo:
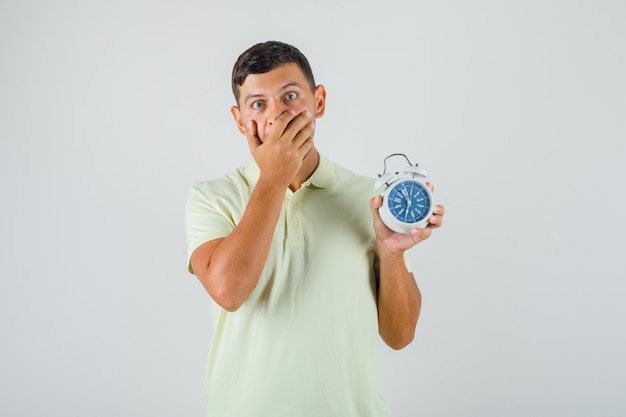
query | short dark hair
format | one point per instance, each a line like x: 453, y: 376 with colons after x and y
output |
x: 264, y: 57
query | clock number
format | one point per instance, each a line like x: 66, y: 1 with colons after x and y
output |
x: 408, y: 202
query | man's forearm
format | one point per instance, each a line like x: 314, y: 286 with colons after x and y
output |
x: 235, y: 265
x: 399, y: 301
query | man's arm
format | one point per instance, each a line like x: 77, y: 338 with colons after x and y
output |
x: 230, y: 268
x: 399, y: 298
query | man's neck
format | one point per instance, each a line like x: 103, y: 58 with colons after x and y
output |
x: 309, y: 164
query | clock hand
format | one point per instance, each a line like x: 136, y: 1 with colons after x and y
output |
x: 408, y: 200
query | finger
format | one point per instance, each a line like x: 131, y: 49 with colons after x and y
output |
x: 435, y: 222
x: 303, y: 136
x: 306, y: 147
x: 430, y: 186
x: 421, y: 234
x: 436, y: 219
x: 439, y: 209
x: 437, y: 215
x: 279, y: 126
x: 252, y: 135
x: 304, y: 128
x: 300, y: 128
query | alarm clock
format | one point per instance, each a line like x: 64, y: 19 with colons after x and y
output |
x: 407, y: 200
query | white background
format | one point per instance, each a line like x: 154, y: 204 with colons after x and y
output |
x: 109, y: 110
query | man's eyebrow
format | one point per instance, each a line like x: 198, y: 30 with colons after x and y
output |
x: 289, y: 85
x: 252, y: 96
x: 283, y: 88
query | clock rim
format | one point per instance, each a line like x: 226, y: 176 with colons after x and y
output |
x: 391, y: 221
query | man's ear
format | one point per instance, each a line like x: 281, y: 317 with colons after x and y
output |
x: 320, y: 100
x: 234, y: 110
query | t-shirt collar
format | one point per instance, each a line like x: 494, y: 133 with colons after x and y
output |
x: 322, y: 177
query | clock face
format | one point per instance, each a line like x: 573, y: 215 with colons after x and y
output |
x: 409, y: 201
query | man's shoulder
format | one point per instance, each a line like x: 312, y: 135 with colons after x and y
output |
x: 344, y: 175
x: 232, y: 185
x: 230, y: 180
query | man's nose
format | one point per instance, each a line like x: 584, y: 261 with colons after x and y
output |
x: 275, y: 109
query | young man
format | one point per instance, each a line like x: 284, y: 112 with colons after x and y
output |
x: 302, y: 273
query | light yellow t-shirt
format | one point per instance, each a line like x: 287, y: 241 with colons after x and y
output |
x: 305, y: 343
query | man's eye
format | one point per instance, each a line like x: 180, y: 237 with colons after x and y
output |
x: 291, y: 96
x: 257, y: 104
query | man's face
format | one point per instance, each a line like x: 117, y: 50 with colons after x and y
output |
x: 264, y: 97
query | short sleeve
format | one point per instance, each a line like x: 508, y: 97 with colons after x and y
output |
x: 205, y: 219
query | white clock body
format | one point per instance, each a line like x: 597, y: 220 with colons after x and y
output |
x: 407, y: 200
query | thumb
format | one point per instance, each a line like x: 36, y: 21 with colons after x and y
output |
x: 375, y: 203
